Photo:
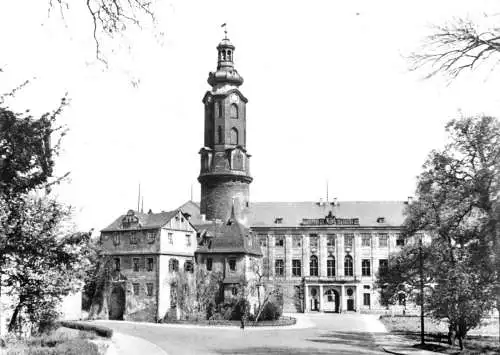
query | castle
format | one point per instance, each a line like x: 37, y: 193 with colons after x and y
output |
x: 325, y: 254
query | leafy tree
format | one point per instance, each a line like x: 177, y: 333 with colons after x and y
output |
x: 198, y: 291
x: 41, y: 262
x: 457, y: 204
x: 458, y: 46
x: 41, y: 259
x: 267, y: 291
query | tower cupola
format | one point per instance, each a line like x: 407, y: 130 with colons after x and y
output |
x: 226, y: 73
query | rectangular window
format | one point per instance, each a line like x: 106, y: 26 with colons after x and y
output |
x: 263, y: 241
x: 330, y: 267
x: 296, y: 267
x: 297, y: 241
x: 135, y: 288
x: 116, y: 238
x: 366, y: 287
x: 151, y: 237
x: 330, y: 240
x: 366, y: 299
x: 117, y: 264
x: 149, y: 289
x: 149, y: 264
x: 382, y: 240
x: 209, y: 264
x: 279, y: 240
x: 265, y: 266
x: 232, y: 264
x: 365, y: 267
x: 383, y: 266
x: 133, y: 238
x: 135, y: 264
x: 279, y: 267
x: 188, y: 240
x: 170, y: 238
x: 348, y: 240
x: 365, y: 240
x: 313, y: 241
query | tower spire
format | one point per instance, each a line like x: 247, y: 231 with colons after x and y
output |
x: 225, y: 30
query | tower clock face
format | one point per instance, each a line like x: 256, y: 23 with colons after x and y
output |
x: 234, y: 98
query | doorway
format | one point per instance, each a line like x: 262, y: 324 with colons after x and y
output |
x: 350, y: 304
x: 332, y: 303
x: 117, y: 303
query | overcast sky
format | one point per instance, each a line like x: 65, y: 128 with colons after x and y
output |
x: 330, y: 97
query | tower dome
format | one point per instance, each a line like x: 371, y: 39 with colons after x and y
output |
x: 226, y: 73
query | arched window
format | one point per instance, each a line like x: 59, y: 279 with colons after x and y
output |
x: 234, y: 136
x: 229, y: 55
x: 173, y: 265
x: 330, y: 266
x: 313, y: 266
x: 234, y: 111
x: 219, y: 135
x: 348, y: 270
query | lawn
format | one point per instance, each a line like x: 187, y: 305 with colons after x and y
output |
x: 61, y: 341
x: 483, y: 340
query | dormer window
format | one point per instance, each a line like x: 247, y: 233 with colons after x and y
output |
x: 278, y: 220
x: 381, y: 220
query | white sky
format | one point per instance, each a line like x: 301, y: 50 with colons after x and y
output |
x: 330, y: 97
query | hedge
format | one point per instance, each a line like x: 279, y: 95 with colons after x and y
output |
x: 98, y: 329
x: 283, y: 321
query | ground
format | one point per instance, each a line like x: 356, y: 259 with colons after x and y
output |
x: 328, y: 334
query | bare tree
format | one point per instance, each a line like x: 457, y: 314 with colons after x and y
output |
x: 457, y: 46
x: 111, y: 17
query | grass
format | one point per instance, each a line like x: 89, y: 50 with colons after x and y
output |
x: 483, y: 340
x: 61, y: 341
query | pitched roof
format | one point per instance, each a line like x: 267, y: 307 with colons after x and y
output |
x: 229, y: 237
x: 193, y: 209
x: 145, y: 221
x: 264, y: 214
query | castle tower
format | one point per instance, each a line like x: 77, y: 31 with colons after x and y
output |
x: 225, y: 172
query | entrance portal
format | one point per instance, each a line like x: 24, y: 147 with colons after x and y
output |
x: 314, y: 300
x: 117, y: 303
x: 332, y: 302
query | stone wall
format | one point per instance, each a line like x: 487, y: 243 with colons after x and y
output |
x: 217, y: 198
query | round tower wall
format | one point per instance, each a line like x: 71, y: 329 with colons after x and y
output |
x: 217, y: 198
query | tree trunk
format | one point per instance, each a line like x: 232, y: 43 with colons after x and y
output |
x: 14, y: 320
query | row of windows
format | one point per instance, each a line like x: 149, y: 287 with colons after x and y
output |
x: 279, y: 240
x: 136, y: 287
x: 279, y: 269
x: 231, y: 262
x: 150, y: 238
x: 173, y: 265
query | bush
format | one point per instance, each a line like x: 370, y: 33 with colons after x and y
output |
x: 100, y: 330
x: 77, y: 347
x: 271, y: 311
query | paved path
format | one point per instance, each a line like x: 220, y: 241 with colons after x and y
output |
x: 321, y: 334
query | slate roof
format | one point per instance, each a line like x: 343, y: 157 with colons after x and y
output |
x: 146, y: 221
x: 264, y: 214
x: 228, y: 237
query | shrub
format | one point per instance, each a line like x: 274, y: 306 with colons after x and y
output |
x: 100, y: 330
x: 271, y: 311
x: 77, y: 347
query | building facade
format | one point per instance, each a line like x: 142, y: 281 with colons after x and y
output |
x: 144, y: 252
x: 324, y: 255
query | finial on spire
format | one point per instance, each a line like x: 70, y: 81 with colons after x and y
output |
x: 225, y: 30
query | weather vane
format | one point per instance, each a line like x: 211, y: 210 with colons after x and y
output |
x: 225, y: 30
